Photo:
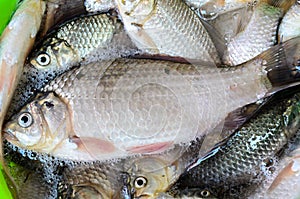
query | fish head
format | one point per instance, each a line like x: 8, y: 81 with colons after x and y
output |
x: 40, y: 125
x: 149, y: 176
x: 54, y: 54
x: 136, y: 8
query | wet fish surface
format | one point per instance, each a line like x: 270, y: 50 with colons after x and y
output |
x: 246, y: 158
x: 289, y: 27
x: 115, y: 108
x: 83, y: 39
x: 258, y: 35
x: 167, y: 27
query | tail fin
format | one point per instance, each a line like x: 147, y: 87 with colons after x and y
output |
x: 283, y: 4
x: 282, y: 63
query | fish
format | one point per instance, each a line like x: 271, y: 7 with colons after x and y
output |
x: 289, y: 28
x: 168, y: 28
x: 122, y: 107
x: 241, y: 162
x: 150, y: 175
x: 258, y: 35
x: 22, y: 28
x: 83, y: 39
x: 90, y: 180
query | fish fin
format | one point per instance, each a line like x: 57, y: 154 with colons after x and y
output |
x: 93, y: 145
x: 244, y: 18
x: 160, y: 57
x: 151, y: 148
x: 230, y: 124
x: 240, y: 116
x: 217, y: 39
x: 282, y: 64
x: 283, y: 4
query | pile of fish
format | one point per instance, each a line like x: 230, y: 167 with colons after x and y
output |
x: 154, y: 99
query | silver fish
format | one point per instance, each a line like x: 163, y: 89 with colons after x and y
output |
x: 289, y: 27
x: 167, y: 27
x: 258, y: 35
x: 143, y: 106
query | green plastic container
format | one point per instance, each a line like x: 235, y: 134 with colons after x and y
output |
x: 7, y: 8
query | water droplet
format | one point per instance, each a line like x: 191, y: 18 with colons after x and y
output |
x: 206, y: 15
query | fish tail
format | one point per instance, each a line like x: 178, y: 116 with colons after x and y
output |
x: 282, y: 64
x: 283, y: 4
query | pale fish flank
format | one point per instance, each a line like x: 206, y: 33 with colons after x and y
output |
x: 122, y: 107
x: 290, y: 24
x: 258, y: 35
x: 169, y: 28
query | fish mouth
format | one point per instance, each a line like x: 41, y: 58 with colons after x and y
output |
x: 8, y: 135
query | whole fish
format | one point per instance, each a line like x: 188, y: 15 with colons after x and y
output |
x: 258, y: 35
x: 244, y: 159
x: 167, y: 27
x: 289, y: 28
x: 117, y: 108
x: 82, y: 39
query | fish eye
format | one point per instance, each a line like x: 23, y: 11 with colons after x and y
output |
x: 43, y: 59
x: 140, y: 182
x: 205, y: 193
x: 25, y: 120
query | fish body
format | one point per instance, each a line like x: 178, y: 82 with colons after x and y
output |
x: 167, y: 27
x: 117, y: 108
x: 289, y: 27
x: 246, y: 158
x: 257, y: 36
x: 83, y: 39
